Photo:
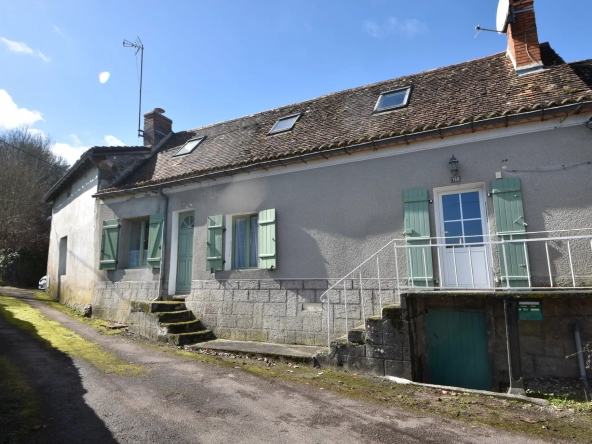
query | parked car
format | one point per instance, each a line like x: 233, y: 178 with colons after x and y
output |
x: 43, y: 283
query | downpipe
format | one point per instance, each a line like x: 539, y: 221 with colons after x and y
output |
x: 163, y: 244
x: 580, y: 354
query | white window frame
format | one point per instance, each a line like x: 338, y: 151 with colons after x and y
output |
x: 272, y: 131
x: 199, y: 141
x: 378, y: 109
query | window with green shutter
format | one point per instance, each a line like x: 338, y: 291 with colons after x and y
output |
x: 417, y: 236
x: 214, y: 250
x: 510, y: 225
x: 155, y: 240
x: 109, y: 241
x: 267, y: 240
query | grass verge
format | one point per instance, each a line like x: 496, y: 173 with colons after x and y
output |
x: 55, y: 335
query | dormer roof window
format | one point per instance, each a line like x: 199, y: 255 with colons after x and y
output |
x: 189, y: 146
x: 396, y: 98
x: 284, y: 124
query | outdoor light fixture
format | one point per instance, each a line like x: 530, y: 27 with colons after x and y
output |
x: 453, y: 162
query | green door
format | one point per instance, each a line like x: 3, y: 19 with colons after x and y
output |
x: 185, y: 252
x: 457, y: 344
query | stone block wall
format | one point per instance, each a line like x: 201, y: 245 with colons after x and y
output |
x: 111, y: 300
x: 386, y: 350
x: 284, y: 311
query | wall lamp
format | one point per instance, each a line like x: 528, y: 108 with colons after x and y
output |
x: 453, y: 162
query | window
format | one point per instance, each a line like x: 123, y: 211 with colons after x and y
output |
x: 63, y: 255
x: 396, y: 98
x: 138, y: 246
x: 189, y: 146
x: 246, y: 239
x: 284, y: 124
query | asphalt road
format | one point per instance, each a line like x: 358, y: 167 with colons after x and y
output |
x: 183, y: 401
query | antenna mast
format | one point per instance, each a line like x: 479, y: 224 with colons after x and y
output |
x: 139, y: 48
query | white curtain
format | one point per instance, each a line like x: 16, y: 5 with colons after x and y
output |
x: 253, y: 242
x: 240, y: 242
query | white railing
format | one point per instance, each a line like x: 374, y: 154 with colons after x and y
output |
x: 553, y: 261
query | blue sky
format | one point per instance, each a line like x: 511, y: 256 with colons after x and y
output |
x: 209, y: 61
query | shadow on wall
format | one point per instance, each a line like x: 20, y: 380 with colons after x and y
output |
x: 55, y: 387
x: 91, y: 183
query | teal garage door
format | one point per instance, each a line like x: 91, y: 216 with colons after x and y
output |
x: 457, y: 344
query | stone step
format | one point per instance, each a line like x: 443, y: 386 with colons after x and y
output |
x: 191, y: 338
x: 357, y: 335
x: 160, y: 306
x: 157, y: 306
x: 174, y: 316
x: 182, y: 327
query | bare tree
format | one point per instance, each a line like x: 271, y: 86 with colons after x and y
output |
x: 28, y: 169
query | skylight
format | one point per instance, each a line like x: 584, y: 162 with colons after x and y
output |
x: 396, y: 98
x: 189, y: 146
x: 284, y: 124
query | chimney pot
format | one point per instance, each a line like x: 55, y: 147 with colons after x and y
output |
x: 156, y: 127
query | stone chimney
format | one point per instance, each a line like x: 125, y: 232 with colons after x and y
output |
x: 523, y: 40
x: 156, y: 127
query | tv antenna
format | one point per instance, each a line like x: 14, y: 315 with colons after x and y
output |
x: 139, y: 48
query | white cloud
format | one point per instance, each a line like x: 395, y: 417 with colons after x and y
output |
x: 408, y: 28
x: 113, y: 141
x: 23, y: 48
x: 11, y: 116
x: 70, y: 152
x: 57, y: 30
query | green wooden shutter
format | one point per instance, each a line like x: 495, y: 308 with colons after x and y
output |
x: 417, y: 232
x: 215, y: 246
x: 155, y: 240
x: 267, y: 252
x: 509, y: 221
x: 108, y: 260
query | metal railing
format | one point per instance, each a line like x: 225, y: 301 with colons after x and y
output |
x: 557, y: 260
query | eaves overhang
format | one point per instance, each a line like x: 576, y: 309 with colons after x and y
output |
x: 466, y: 125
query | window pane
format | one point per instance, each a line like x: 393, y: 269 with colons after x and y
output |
x: 135, y: 243
x: 451, y: 207
x: 240, y: 242
x: 473, y: 231
x: 471, y: 208
x: 254, y: 242
x: 392, y: 99
x: 189, y: 146
x: 284, y: 124
x: 145, y: 226
x: 453, y: 232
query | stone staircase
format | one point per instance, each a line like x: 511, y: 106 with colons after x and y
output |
x: 167, y: 321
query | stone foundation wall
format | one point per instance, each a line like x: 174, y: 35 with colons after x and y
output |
x: 386, y: 350
x: 284, y: 311
x: 111, y: 300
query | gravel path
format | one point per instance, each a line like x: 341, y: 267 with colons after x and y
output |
x: 185, y: 401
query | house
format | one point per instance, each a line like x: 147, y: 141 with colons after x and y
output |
x: 458, y: 197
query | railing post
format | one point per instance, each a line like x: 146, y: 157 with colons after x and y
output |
x: 329, y: 322
x: 345, y: 295
x: 425, y: 266
x: 505, y: 262
x: 439, y: 265
x: 573, y: 279
x: 471, y: 266
x: 455, y: 270
x: 527, y: 264
x: 362, y: 299
x: 549, y: 263
x: 397, y: 270
x: 487, y: 248
x: 410, y: 261
x: 379, y: 286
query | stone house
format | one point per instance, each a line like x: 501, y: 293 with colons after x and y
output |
x: 457, y: 196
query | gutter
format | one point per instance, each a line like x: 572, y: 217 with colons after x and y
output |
x: 163, y: 244
x: 472, y: 125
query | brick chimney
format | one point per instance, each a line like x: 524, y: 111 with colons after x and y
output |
x: 156, y: 127
x: 523, y: 40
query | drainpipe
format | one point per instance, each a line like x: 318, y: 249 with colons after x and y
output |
x: 580, y: 353
x: 163, y: 244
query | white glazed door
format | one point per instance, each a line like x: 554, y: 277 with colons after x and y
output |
x: 465, y: 258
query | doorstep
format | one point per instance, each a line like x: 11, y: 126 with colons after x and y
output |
x: 301, y: 353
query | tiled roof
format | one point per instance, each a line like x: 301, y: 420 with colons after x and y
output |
x: 443, y: 97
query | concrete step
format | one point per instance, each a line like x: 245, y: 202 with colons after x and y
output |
x: 179, y: 297
x: 193, y: 325
x: 357, y: 335
x: 191, y: 338
x: 157, y: 306
x: 174, y: 316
